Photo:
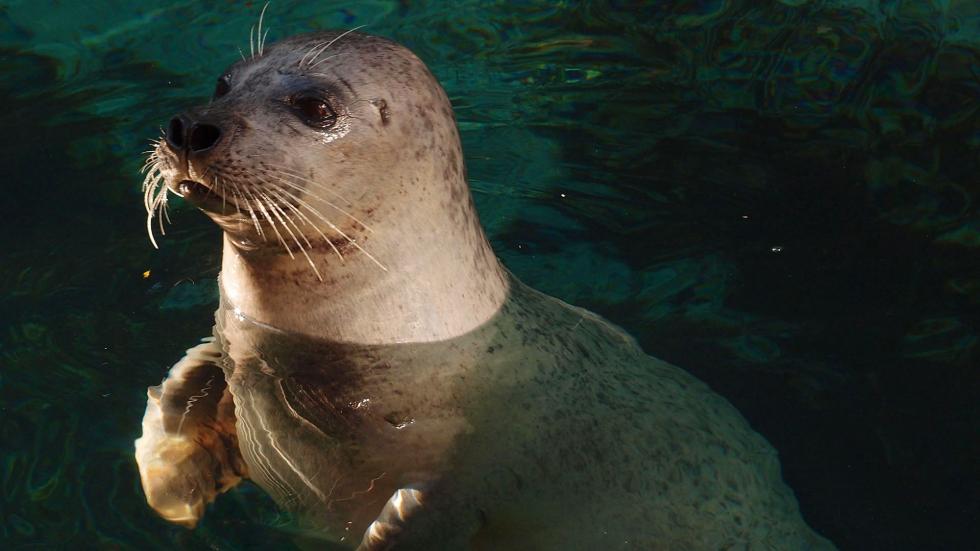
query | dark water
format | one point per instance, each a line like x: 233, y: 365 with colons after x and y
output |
x: 778, y: 196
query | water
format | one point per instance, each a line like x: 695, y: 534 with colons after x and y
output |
x: 779, y: 197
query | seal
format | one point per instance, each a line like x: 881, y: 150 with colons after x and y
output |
x: 378, y: 371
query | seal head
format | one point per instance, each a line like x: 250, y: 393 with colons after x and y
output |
x: 333, y: 164
x: 388, y: 378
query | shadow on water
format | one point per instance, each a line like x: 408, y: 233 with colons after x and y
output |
x: 780, y: 199
x: 798, y: 213
x: 83, y: 328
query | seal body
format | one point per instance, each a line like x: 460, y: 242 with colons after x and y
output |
x: 377, y: 371
x: 545, y: 428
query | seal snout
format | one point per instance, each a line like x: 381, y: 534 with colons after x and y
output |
x: 190, y: 187
x: 205, y: 197
x: 187, y: 136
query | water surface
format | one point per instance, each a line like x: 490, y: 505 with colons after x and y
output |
x: 779, y: 197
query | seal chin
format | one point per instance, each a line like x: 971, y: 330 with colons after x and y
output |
x: 204, y: 197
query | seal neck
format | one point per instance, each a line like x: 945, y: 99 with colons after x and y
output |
x: 437, y: 286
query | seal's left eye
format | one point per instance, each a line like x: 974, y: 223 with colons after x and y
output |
x: 315, y: 111
x: 222, y: 87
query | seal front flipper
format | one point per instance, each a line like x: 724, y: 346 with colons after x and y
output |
x: 416, y: 519
x: 391, y: 525
x: 188, y: 452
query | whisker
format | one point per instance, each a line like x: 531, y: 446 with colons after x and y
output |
x: 149, y: 231
x: 261, y: 36
x: 273, y: 224
x: 278, y: 212
x: 251, y: 212
x: 290, y: 219
x: 154, y: 198
x: 292, y: 172
x: 161, y: 205
x: 152, y: 211
x: 166, y: 212
x: 276, y: 190
x: 310, y: 51
x: 264, y: 37
x: 325, y: 59
x: 282, y: 218
x: 334, y: 227
x: 238, y: 199
x: 221, y: 191
x: 150, y: 183
x: 152, y: 158
x: 324, y: 48
x: 328, y: 203
x: 150, y: 163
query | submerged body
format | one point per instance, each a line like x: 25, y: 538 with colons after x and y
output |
x: 545, y: 428
x: 411, y: 393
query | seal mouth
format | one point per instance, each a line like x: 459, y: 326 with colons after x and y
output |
x: 204, y: 197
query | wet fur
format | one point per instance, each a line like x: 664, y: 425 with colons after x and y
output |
x: 518, y: 421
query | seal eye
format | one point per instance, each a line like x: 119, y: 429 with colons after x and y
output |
x: 315, y: 111
x: 222, y: 87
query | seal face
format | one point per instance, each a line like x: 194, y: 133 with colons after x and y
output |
x: 332, y: 162
x: 376, y: 369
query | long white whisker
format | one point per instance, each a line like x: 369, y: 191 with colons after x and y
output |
x: 221, y: 191
x: 283, y: 217
x: 310, y: 51
x: 292, y: 172
x: 280, y: 192
x: 259, y: 211
x: 317, y: 53
x: 161, y: 197
x: 154, y: 198
x: 166, y: 213
x: 275, y: 191
x: 317, y: 197
x: 324, y: 48
x: 152, y: 158
x: 149, y: 230
x: 251, y: 212
x: 289, y: 218
x: 238, y: 198
x: 334, y: 227
x: 150, y: 183
x: 312, y: 66
x: 272, y: 223
x: 261, y: 36
x: 277, y: 212
x: 160, y: 207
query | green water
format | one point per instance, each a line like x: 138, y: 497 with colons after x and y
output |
x: 780, y: 197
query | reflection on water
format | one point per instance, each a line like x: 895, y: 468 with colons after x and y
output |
x: 543, y: 428
x: 780, y: 197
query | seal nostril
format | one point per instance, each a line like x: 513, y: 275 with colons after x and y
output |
x: 203, y: 137
x: 175, y: 133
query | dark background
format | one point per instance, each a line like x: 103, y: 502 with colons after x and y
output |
x: 779, y: 197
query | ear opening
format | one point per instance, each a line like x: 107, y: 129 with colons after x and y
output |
x: 382, y: 107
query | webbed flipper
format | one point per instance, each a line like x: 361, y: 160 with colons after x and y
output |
x: 385, y: 532
x: 415, y: 520
x: 188, y: 452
